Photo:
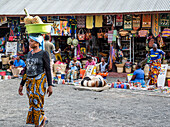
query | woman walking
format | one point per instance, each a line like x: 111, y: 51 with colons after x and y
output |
x: 155, y: 64
x: 37, y: 73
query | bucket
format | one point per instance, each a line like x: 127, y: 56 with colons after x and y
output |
x: 62, y: 76
x: 168, y: 82
x: 4, y: 59
x: 3, y: 73
x: 128, y: 70
x: 38, y: 28
x: 82, y: 72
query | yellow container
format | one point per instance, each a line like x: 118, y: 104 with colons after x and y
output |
x: 38, y: 28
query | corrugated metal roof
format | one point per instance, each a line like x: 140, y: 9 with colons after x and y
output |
x: 16, y: 7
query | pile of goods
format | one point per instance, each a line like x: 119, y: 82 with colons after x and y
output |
x: 35, y: 24
x: 32, y: 20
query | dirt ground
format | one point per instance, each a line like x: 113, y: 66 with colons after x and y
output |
x: 72, y: 108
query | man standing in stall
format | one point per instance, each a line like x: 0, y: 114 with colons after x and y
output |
x: 50, y: 48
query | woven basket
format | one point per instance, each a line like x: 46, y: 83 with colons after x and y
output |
x: 4, y: 60
x: 123, y: 32
x: 128, y: 70
x: 120, y: 68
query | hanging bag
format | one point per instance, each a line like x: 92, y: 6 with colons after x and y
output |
x: 143, y: 33
x: 11, y: 36
x: 106, y: 33
x: 81, y: 35
x: 100, y: 34
x: 88, y: 35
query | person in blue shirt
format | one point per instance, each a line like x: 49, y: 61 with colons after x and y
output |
x: 139, y: 75
x: 155, y: 64
x: 18, y: 66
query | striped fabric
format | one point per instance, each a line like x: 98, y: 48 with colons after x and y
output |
x: 166, y: 32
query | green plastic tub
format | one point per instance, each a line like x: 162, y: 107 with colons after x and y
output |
x: 38, y: 28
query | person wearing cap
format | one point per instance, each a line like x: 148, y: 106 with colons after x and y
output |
x: 90, y: 62
x: 37, y: 73
x: 50, y: 48
x: 17, y: 66
x: 155, y: 64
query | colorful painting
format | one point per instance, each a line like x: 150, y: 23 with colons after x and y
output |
x: 164, y: 20
x: 119, y: 20
x: 146, y: 21
x: 60, y: 28
x: 127, y: 22
x: 136, y: 22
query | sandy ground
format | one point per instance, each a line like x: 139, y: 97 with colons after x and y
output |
x: 72, y: 108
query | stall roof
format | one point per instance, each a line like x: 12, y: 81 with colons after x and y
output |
x: 80, y: 7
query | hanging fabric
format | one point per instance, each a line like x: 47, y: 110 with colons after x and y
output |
x: 155, y: 25
x: 136, y: 22
x: 98, y: 21
x: 146, y: 21
x: 89, y: 22
x: 160, y: 41
x: 119, y: 20
x: 114, y: 35
x: 164, y: 20
x: 81, y: 21
x: 127, y: 22
x: 166, y: 32
x: 110, y: 36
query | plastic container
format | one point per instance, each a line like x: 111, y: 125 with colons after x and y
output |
x: 168, y: 82
x: 3, y: 73
x: 82, y: 72
x: 62, y: 76
x: 38, y: 28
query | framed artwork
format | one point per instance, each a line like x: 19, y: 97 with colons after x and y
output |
x: 127, y: 22
x: 164, y: 20
x: 146, y: 21
x: 52, y: 18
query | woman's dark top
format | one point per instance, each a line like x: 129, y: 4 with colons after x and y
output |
x: 36, y: 64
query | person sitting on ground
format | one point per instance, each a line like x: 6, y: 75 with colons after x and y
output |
x: 90, y: 62
x: 103, y: 66
x: 75, y: 67
x: 138, y: 75
x: 18, y: 66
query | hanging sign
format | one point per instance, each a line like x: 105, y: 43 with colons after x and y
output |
x: 155, y: 25
x: 127, y: 22
x: 162, y: 75
x: 119, y: 20
x: 136, y: 22
x: 52, y: 18
x: 164, y: 20
x: 146, y: 21
x: 11, y: 48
